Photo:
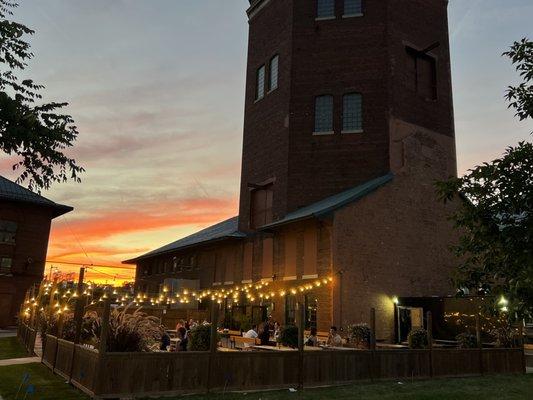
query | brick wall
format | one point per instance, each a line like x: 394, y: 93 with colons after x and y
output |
x: 395, y: 241
x: 28, y: 254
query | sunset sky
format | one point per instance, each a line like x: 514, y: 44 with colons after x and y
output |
x: 157, y: 91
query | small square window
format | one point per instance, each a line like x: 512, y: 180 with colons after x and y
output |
x: 260, y: 84
x: 274, y: 65
x: 8, y: 232
x: 353, y: 7
x: 325, y: 9
x: 352, y: 116
x: 5, y: 265
x: 324, y: 114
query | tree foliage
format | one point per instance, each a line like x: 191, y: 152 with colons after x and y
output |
x: 36, y: 134
x: 495, y: 220
x: 521, y: 97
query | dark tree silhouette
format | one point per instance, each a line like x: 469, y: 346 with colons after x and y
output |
x: 36, y: 134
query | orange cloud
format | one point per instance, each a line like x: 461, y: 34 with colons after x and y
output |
x: 109, y: 223
x: 85, y: 241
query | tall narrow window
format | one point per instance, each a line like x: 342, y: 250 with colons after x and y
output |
x: 274, y: 64
x: 422, y: 71
x: 260, y: 84
x: 353, y: 7
x: 324, y: 114
x: 261, y: 206
x: 325, y: 9
x: 352, y: 114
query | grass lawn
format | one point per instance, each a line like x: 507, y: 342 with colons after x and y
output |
x: 10, y: 347
x: 487, y: 388
x: 511, y: 387
x: 47, y: 385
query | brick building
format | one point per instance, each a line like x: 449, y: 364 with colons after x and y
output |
x: 25, y: 219
x: 348, y: 124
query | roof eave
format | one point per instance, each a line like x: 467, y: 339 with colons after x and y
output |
x: 186, y: 247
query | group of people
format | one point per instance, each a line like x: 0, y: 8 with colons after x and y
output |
x: 266, y: 332
x: 333, y: 340
x: 269, y: 331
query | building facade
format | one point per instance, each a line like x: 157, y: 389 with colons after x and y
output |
x: 348, y: 124
x: 25, y: 219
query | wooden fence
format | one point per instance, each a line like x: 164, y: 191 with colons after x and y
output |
x: 113, y: 375
x: 27, y: 336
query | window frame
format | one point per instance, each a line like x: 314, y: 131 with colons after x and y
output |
x: 331, y: 131
x: 8, y: 229
x: 415, y: 55
x: 6, y: 271
x: 357, y: 130
x: 319, y: 17
x: 260, y: 95
x: 353, y: 15
x: 270, y: 75
x: 267, y: 212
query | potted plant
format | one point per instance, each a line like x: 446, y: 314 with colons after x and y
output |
x: 289, y: 336
x: 466, y: 340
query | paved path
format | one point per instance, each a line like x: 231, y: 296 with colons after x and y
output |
x: 17, y: 361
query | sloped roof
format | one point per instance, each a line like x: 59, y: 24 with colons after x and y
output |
x: 11, y: 191
x: 332, y: 203
x: 223, y: 230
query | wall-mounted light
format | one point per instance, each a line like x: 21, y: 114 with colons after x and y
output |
x: 395, y: 300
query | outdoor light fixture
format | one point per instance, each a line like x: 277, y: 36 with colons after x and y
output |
x: 395, y: 300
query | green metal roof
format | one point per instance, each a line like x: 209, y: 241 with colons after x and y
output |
x: 10, y: 191
x: 223, y: 230
x: 332, y: 203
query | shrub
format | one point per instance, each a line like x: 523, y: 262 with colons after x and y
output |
x: 360, y: 334
x: 289, y: 336
x: 506, y: 337
x: 466, y: 341
x: 133, y: 332
x: 418, y: 339
x: 47, y: 325
x: 87, y: 328
x: 199, y: 338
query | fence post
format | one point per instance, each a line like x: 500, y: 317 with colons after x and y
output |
x: 78, y: 318
x: 430, y: 341
x: 522, y: 347
x: 479, y: 342
x: 301, y: 345
x: 78, y: 312
x: 213, y: 343
x: 102, y: 347
x: 372, y: 342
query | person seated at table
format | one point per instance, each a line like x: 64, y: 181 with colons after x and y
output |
x: 165, y: 342
x: 252, y: 333
x: 312, y: 339
x: 264, y: 334
x: 334, y: 339
x: 183, y: 340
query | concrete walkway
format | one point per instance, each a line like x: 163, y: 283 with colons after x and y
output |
x: 17, y: 361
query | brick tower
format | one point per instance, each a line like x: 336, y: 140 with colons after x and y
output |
x: 334, y: 91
